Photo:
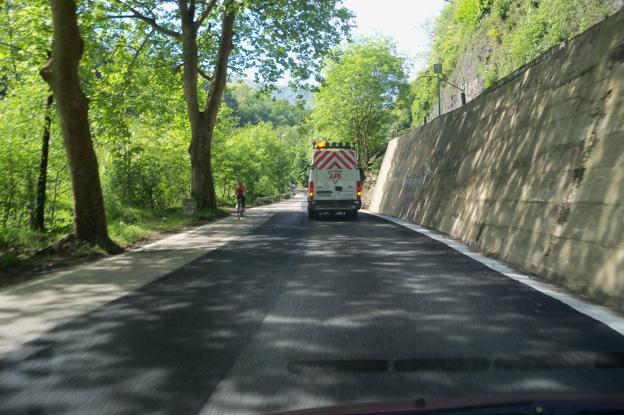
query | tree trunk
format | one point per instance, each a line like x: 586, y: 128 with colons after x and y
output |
x: 39, y: 217
x: 31, y: 189
x: 358, y: 150
x: 61, y: 72
x: 366, y: 152
x: 203, y: 122
x: 202, y: 183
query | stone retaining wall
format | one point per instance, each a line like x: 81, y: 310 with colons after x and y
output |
x: 532, y: 170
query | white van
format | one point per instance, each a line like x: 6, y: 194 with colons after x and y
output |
x: 335, y: 184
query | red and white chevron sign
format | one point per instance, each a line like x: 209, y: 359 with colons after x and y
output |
x: 344, y: 159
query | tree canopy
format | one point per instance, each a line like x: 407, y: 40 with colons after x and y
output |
x: 360, y: 87
x: 137, y: 74
x: 252, y: 106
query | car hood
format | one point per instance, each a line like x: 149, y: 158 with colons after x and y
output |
x: 573, y: 403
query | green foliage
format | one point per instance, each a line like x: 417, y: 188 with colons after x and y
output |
x: 128, y: 225
x: 270, y: 37
x: 469, y: 12
x: 252, y: 106
x: 132, y: 78
x: 402, y: 111
x: 449, y: 36
x: 301, y: 162
x: 360, y: 89
x: 289, y: 35
x: 506, y: 33
x: 11, y: 237
x: 24, y: 39
x: 261, y: 156
x: 502, y: 7
x: 424, y: 90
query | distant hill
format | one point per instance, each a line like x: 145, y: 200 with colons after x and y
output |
x: 294, y: 96
x: 252, y: 106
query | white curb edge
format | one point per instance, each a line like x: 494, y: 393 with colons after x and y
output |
x: 594, y: 311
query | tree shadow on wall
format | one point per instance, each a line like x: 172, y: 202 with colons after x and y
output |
x: 531, y: 169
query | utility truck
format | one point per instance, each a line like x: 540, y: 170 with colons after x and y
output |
x: 335, y: 180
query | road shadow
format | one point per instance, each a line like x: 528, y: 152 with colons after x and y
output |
x: 164, y: 347
x: 531, y: 169
x: 305, y: 313
x: 378, y: 312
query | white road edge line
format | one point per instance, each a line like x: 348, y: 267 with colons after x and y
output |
x: 594, y: 311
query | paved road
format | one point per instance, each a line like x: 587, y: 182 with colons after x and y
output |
x: 298, y: 314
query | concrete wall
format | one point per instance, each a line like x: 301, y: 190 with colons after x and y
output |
x: 532, y: 170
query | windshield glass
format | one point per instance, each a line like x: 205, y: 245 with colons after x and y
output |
x: 254, y: 207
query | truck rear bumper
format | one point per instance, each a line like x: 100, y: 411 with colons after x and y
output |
x: 333, y: 205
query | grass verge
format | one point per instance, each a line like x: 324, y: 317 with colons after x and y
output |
x: 139, y: 225
x: 25, y: 254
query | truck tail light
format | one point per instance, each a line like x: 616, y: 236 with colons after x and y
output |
x: 358, y: 189
x: 311, y: 191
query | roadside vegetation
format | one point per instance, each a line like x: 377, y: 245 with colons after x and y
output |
x: 31, y: 252
x: 365, y: 97
x: 167, y: 120
x: 361, y: 85
x: 481, y: 41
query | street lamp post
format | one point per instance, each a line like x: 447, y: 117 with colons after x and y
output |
x: 437, y: 69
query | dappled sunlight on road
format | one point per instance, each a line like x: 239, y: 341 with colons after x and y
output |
x: 143, y: 347
x: 299, y: 313
x: 530, y: 170
x: 368, y: 292
x: 32, y: 308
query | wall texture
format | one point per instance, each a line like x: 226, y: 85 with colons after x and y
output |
x: 532, y: 170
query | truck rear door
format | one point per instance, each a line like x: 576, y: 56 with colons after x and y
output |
x: 336, y: 174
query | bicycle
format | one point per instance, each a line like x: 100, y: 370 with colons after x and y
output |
x: 240, y: 207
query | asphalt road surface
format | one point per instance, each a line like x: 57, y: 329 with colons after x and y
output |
x: 303, y: 313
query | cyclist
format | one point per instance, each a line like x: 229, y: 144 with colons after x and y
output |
x: 240, y: 193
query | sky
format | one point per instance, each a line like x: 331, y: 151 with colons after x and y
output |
x: 402, y: 20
